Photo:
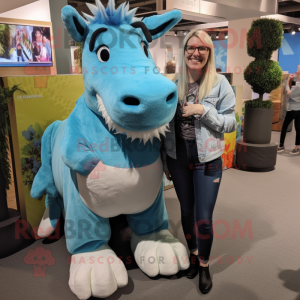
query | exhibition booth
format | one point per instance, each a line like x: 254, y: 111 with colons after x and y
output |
x: 44, y: 62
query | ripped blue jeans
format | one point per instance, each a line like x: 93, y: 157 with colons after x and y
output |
x: 197, y: 186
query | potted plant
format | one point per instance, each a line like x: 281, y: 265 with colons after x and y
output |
x: 8, y: 217
x: 5, y: 175
x: 255, y: 152
x: 264, y: 75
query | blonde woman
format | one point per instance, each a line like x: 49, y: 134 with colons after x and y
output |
x: 192, y: 149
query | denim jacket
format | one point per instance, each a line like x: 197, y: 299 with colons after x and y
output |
x: 218, y: 118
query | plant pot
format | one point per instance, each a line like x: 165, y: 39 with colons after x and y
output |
x: 14, y: 235
x: 3, y: 200
x: 258, y: 125
x: 256, y: 157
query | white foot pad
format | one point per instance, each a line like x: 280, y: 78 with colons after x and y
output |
x: 159, y: 253
x: 99, y: 273
x: 45, y: 229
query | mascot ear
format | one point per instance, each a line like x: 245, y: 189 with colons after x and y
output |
x: 158, y: 25
x: 74, y: 23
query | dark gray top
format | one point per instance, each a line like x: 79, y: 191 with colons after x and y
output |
x: 185, y: 125
x: 294, y: 97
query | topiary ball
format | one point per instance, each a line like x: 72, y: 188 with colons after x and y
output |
x: 264, y: 37
x: 263, y: 75
x: 255, y: 103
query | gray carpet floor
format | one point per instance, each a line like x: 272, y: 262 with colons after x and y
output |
x: 261, y: 264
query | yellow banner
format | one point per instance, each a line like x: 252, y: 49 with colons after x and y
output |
x: 47, y: 99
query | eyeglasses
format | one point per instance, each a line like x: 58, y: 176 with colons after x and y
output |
x: 191, y: 49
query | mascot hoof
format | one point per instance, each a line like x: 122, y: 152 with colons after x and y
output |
x: 99, y: 273
x: 159, y: 253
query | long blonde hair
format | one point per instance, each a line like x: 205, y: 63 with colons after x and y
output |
x: 209, y: 76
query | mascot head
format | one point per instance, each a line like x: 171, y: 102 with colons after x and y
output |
x: 122, y: 83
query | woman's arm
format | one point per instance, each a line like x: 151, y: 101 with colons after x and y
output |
x: 43, y: 54
x: 289, y: 84
x: 163, y: 153
x: 222, y: 118
x: 290, y: 80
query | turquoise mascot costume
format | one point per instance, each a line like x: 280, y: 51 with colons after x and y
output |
x: 104, y: 159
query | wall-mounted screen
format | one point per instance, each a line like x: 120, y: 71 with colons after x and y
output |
x: 25, y: 46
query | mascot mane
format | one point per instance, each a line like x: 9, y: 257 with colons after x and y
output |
x: 110, y: 15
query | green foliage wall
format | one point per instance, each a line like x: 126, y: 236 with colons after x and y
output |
x: 4, y: 41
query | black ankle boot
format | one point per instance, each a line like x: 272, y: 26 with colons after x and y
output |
x: 192, y: 271
x: 205, y: 282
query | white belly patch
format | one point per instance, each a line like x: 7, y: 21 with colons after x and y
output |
x: 111, y: 191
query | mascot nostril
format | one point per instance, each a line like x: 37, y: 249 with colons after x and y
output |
x: 131, y: 101
x: 94, y: 169
x: 170, y: 97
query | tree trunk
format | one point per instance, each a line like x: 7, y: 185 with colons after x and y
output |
x: 261, y: 97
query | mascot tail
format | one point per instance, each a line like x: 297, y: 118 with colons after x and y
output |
x: 44, y: 184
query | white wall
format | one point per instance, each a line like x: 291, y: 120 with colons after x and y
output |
x: 9, y: 5
x: 275, y: 55
x: 157, y: 50
x: 36, y: 11
x: 176, y: 42
x: 237, y: 56
x: 62, y: 50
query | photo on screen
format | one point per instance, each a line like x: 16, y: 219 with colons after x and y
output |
x: 25, y: 46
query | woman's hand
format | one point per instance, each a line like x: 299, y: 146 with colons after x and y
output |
x: 288, y: 92
x: 168, y: 175
x: 290, y: 80
x: 192, y: 109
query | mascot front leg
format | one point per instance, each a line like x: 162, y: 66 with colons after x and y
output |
x: 95, y: 269
x: 155, y: 249
x: 97, y: 273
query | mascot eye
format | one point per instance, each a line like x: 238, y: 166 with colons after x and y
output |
x: 144, y: 47
x: 103, y: 53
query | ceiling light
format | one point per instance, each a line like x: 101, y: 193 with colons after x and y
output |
x: 293, y: 31
x: 175, y: 33
x: 226, y: 36
x: 217, y: 35
x: 184, y: 33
